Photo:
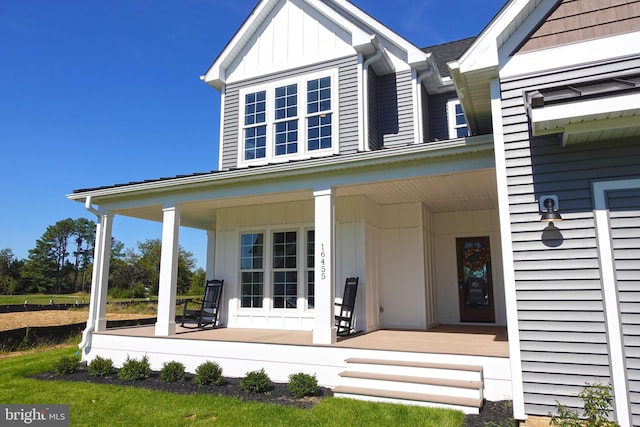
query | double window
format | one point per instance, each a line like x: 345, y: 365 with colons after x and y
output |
x: 292, y: 119
x: 277, y: 280
x: 457, y: 124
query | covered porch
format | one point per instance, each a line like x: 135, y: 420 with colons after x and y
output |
x: 390, y: 218
x: 452, y: 365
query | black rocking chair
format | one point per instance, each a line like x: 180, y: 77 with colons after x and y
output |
x: 344, y: 318
x: 208, y: 312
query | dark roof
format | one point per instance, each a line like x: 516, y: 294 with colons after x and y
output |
x: 447, y: 52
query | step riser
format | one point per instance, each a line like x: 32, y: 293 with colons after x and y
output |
x: 416, y: 372
x: 411, y: 387
x: 465, y: 409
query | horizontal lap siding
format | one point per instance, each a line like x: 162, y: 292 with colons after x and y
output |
x: 558, y: 289
x: 395, y: 93
x: 624, y: 213
x: 439, y: 123
x: 348, y: 106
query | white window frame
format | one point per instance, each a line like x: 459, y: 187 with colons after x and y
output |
x: 303, y: 151
x: 451, y: 119
x: 268, y: 270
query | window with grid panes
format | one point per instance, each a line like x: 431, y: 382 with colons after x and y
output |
x: 285, y: 269
x: 251, y: 270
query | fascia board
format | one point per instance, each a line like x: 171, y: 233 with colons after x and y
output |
x: 216, y: 75
x: 415, y: 55
x: 483, y: 52
x: 411, y: 153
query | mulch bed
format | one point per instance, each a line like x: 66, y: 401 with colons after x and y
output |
x: 491, y: 414
x: 231, y: 387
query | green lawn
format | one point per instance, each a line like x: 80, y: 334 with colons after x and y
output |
x: 101, y: 405
x: 44, y: 298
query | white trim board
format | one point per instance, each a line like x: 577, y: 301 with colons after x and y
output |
x: 609, y: 289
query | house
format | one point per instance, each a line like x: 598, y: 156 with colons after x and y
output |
x: 348, y: 151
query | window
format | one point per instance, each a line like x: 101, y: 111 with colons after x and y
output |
x: 255, y: 122
x: 251, y: 270
x: 319, y: 114
x: 285, y: 269
x: 457, y: 124
x: 311, y: 241
x: 291, y: 119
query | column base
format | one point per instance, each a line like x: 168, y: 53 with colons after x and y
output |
x: 325, y: 335
x: 165, y: 329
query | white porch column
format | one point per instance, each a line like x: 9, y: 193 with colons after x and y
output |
x: 166, y: 322
x: 324, y: 331
x: 211, y: 254
x: 101, y: 276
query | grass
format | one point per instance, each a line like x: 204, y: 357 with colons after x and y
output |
x: 44, y: 298
x: 102, y: 405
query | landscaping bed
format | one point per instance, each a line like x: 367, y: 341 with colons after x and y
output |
x: 491, y: 414
x: 230, y: 387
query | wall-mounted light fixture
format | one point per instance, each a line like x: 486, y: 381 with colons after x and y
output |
x: 549, y: 207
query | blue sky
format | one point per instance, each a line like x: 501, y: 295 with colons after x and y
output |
x: 102, y: 92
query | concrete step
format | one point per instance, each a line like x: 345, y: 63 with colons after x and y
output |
x: 466, y: 405
x: 424, y: 385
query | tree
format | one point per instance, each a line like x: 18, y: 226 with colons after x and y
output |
x: 84, y: 236
x: 149, y: 259
x: 48, y: 266
x: 9, y: 272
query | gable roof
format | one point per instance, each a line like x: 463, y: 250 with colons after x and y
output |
x: 361, y: 31
x: 447, y: 52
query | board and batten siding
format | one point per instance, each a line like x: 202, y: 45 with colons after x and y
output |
x: 347, y: 106
x: 624, y: 214
x: 395, y: 95
x: 560, y: 306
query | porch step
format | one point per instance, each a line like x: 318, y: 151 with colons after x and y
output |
x: 416, y: 368
x: 466, y: 405
x: 436, y: 386
x: 413, y: 382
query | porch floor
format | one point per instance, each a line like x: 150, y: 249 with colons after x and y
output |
x: 468, y: 340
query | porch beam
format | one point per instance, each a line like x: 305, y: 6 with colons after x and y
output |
x: 324, y: 331
x: 166, y: 321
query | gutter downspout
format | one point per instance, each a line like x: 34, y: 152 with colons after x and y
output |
x: 419, y: 134
x: 364, y: 140
x: 91, y: 321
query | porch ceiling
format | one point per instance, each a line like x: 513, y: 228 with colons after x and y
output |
x: 466, y: 191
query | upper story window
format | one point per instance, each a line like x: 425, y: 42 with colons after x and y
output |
x: 289, y: 119
x: 457, y: 124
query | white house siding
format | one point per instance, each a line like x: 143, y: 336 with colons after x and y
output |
x: 395, y: 94
x: 447, y: 227
x: 559, y: 296
x: 347, y: 106
x: 624, y: 214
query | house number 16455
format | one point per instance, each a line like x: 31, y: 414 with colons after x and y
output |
x: 323, y: 266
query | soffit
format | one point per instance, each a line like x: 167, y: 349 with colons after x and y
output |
x: 468, y: 191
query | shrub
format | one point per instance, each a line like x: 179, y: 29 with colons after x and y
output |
x: 134, y: 370
x: 256, y: 382
x: 598, y: 403
x: 67, y: 365
x: 301, y: 385
x: 172, y: 372
x: 208, y: 373
x: 100, y: 367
